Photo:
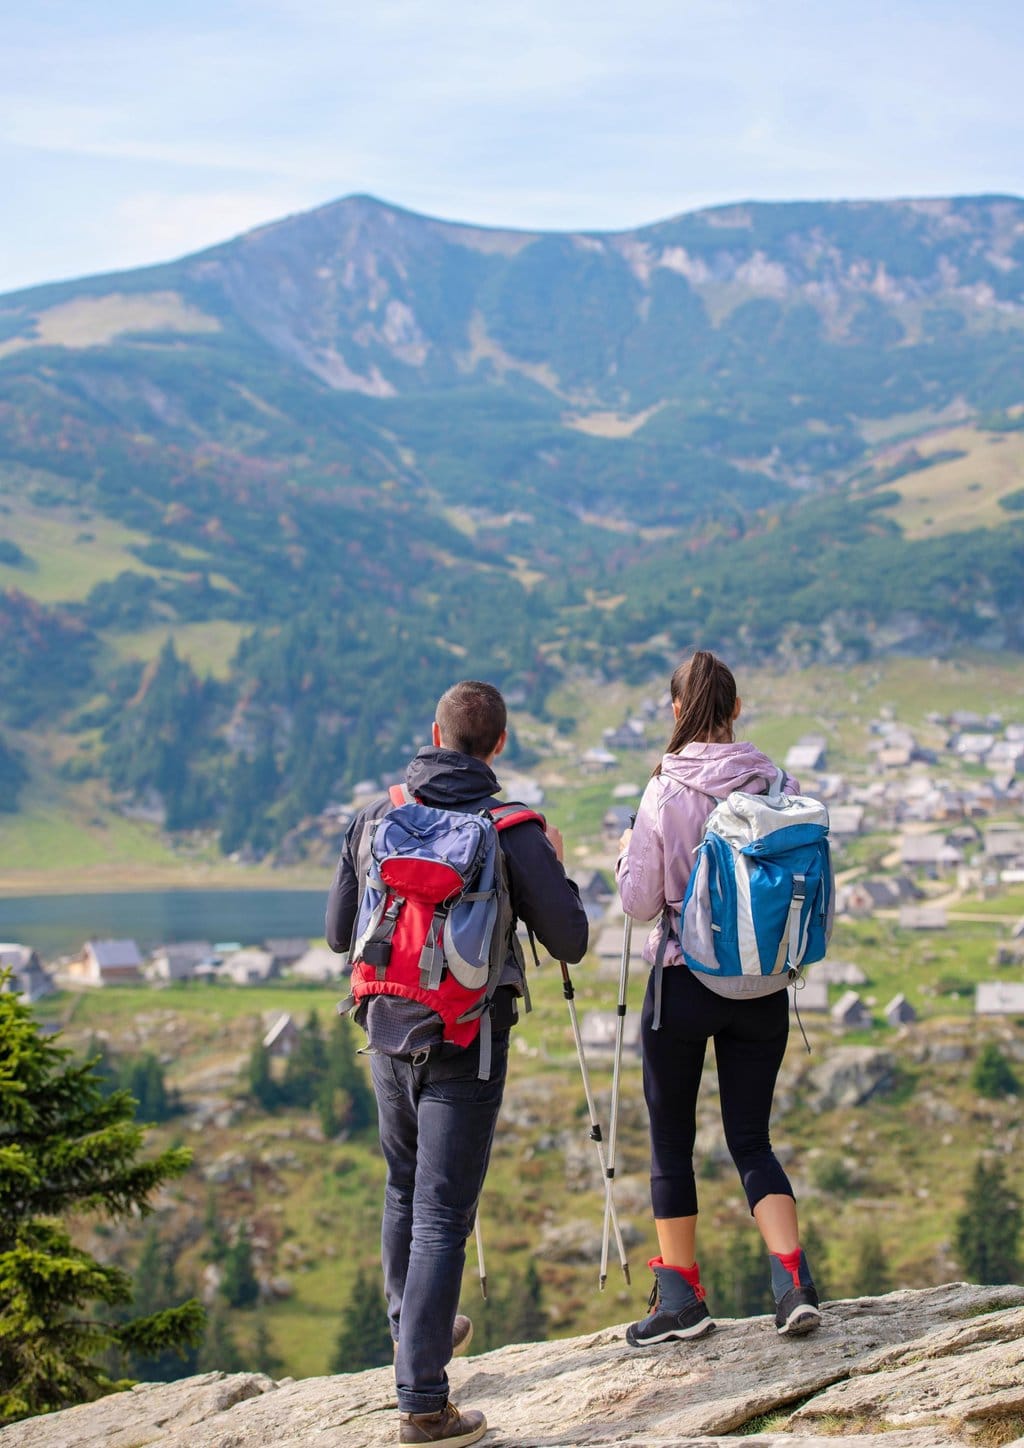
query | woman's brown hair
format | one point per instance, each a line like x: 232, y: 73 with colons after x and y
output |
x: 705, y: 691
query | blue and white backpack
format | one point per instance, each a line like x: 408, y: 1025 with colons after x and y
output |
x: 760, y: 899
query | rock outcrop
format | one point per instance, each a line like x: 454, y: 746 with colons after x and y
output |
x: 940, y: 1368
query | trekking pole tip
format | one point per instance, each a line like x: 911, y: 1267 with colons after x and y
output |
x: 625, y: 1273
x: 483, y: 1288
x: 601, y: 1281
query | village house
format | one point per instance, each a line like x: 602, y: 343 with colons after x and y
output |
x: 286, y: 950
x: 250, y: 966
x: 616, y: 819
x: 318, y: 964
x: 1010, y: 952
x: 813, y: 994
x: 282, y: 1038
x: 28, y: 979
x: 630, y: 735
x: 180, y: 960
x: 899, y: 1011
x: 862, y: 898
x: 932, y: 855
x: 107, y: 962
x: 850, y: 1012
x: 839, y: 972
x: 845, y: 821
x: 594, y: 760
x: 999, y: 998
x: 1003, y: 843
x: 805, y: 756
x: 597, y: 1031
x: 523, y: 789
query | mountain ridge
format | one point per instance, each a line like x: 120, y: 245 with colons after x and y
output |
x: 366, y: 437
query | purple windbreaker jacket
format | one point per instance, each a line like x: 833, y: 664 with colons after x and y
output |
x: 656, y: 867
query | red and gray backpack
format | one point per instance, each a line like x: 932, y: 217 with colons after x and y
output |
x: 435, y: 921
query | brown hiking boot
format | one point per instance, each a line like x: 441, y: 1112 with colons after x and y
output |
x: 448, y: 1426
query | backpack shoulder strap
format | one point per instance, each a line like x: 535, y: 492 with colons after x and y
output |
x: 401, y: 794
x: 504, y: 816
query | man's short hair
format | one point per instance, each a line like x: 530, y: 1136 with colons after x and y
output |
x: 471, y: 717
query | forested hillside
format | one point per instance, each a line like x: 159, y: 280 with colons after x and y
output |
x: 258, y: 503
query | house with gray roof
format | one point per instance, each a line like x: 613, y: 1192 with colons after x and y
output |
x: 28, y: 979
x: 999, y: 998
x: 107, y: 962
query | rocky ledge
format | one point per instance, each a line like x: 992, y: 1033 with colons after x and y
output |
x: 941, y: 1368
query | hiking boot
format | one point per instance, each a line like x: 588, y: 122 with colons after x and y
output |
x: 447, y: 1426
x: 462, y: 1335
x: 678, y: 1309
x: 796, y: 1301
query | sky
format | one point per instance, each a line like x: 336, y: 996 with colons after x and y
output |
x: 132, y: 132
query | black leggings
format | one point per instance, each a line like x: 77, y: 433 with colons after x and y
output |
x: 750, y: 1041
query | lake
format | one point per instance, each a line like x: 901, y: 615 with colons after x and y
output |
x: 60, y: 924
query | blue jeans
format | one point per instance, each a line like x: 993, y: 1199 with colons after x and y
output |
x: 436, y: 1124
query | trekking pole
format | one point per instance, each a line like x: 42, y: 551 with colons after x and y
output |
x: 595, y: 1127
x: 480, y: 1257
x: 613, y: 1123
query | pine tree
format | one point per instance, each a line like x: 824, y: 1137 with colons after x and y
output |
x: 871, y: 1273
x: 737, y: 1276
x: 813, y: 1244
x: 988, y: 1228
x: 364, y: 1339
x: 993, y: 1077
x: 66, y: 1148
x: 530, y: 1321
x: 345, y: 1100
x: 219, y: 1350
x: 155, y: 1289
x: 240, y: 1286
x: 262, y: 1357
x: 307, y: 1065
x: 216, y: 1246
x: 261, y: 1084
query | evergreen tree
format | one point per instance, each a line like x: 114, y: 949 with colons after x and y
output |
x: 65, y: 1148
x: 144, y: 1078
x: 240, y: 1285
x: 530, y: 1321
x: 813, y: 1244
x: 156, y: 1289
x: 345, y: 1099
x: 219, y: 1350
x: 871, y: 1273
x: 993, y: 1077
x: 216, y: 1246
x: 988, y: 1228
x: 307, y: 1065
x: 261, y: 1085
x: 262, y: 1357
x: 737, y: 1276
x: 364, y: 1339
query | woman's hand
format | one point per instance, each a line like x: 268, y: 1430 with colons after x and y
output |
x: 624, y: 840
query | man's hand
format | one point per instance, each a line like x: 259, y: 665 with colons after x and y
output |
x: 555, y: 836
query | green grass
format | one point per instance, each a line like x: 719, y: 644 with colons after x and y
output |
x: 71, y: 552
x: 50, y: 840
x: 208, y: 647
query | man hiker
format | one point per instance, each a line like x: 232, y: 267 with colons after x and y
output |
x: 437, y: 1101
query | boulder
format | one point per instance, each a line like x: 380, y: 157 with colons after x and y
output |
x: 939, y: 1368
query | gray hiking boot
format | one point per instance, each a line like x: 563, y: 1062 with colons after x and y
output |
x: 678, y: 1309
x: 462, y: 1335
x: 796, y: 1300
x: 448, y: 1426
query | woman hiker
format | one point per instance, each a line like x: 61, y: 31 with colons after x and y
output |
x: 747, y: 1017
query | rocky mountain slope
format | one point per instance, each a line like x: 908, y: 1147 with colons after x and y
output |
x: 362, y: 444
x: 942, y: 1368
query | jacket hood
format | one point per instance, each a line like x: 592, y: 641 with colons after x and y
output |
x: 449, y: 780
x: 720, y: 768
